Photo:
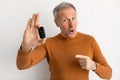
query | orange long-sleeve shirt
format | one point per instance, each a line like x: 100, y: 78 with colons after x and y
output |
x: 60, y: 53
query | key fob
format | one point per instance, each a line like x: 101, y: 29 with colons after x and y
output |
x: 41, y: 32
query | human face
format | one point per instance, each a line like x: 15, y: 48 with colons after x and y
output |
x: 67, y: 21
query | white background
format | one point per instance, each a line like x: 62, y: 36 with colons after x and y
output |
x: 99, y: 18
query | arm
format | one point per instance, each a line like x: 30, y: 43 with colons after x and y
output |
x: 102, y: 68
x: 27, y: 58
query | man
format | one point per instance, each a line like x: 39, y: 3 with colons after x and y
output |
x: 70, y: 54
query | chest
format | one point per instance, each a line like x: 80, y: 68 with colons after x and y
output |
x: 67, y: 51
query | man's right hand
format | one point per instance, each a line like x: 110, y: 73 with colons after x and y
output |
x: 31, y: 37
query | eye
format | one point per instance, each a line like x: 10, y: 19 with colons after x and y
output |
x: 65, y: 20
x: 73, y: 18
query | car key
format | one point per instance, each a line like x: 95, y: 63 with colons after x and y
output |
x: 41, y: 32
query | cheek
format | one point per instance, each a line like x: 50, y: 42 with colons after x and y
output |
x: 75, y: 23
x: 63, y: 28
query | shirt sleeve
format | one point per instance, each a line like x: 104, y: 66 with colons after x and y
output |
x: 26, y: 59
x: 103, y: 70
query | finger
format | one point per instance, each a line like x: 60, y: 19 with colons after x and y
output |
x: 82, y: 61
x: 38, y: 26
x: 32, y: 21
x: 28, y: 24
x: 83, y: 67
x: 37, y: 32
x: 37, y: 18
x: 42, y: 41
x: 80, y: 56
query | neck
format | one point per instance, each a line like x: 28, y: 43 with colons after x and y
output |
x: 68, y: 37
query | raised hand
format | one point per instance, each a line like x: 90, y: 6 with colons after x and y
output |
x: 31, y: 36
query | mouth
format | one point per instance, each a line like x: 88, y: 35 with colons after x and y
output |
x: 71, y: 31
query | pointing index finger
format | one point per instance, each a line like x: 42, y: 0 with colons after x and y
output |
x: 80, y: 56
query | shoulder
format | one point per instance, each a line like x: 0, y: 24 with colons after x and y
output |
x: 50, y: 40
x: 85, y: 36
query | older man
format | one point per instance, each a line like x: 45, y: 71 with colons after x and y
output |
x: 70, y: 54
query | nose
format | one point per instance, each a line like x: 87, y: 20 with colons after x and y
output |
x: 71, y: 23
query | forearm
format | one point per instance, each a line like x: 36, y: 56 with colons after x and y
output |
x: 23, y: 59
x: 103, y: 71
x: 26, y: 59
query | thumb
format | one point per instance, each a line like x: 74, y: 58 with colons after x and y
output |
x: 42, y: 41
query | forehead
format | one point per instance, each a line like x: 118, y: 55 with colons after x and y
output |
x: 66, y: 12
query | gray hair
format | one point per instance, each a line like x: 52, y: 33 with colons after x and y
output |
x: 62, y: 6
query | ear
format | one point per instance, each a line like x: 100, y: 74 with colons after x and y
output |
x: 56, y: 22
